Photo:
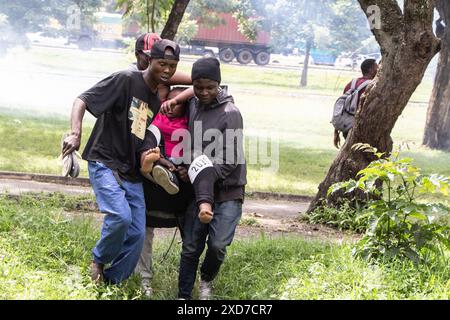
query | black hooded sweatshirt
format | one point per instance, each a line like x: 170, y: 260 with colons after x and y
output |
x: 223, y: 121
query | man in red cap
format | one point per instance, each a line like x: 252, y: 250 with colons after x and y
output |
x: 142, y: 49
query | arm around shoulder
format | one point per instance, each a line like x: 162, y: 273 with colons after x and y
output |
x: 180, y: 78
x: 181, y: 98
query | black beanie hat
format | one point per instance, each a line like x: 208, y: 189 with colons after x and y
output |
x: 206, y: 68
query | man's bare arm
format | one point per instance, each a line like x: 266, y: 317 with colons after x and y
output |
x: 180, y: 78
x: 72, y: 142
x: 180, y: 98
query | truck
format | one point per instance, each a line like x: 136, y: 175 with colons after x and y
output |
x: 323, y: 57
x: 107, y: 31
x: 230, y: 43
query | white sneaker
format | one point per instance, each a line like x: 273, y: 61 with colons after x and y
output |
x: 205, y: 290
x: 166, y: 179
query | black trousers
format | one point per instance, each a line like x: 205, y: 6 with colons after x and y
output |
x: 164, y: 210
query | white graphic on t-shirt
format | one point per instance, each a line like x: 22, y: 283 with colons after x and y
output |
x: 139, y: 113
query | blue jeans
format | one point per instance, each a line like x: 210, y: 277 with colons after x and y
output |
x: 123, y: 230
x: 220, y: 233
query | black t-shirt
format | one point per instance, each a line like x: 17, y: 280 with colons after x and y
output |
x: 117, y: 102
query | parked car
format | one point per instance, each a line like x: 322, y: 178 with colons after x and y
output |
x: 354, y: 60
x: 302, y: 59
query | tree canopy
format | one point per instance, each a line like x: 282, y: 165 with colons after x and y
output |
x: 33, y: 15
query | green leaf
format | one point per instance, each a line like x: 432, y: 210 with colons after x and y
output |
x: 412, y: 255
x: 391, y: 176
x: 338, y: 186
x: 392, y: 252
x: 418, y: 215
x: 421, y: 237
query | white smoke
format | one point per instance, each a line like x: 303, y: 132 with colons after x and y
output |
x: 46, y: 80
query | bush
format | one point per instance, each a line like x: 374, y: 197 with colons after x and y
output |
x: 398, y: 225
x: 345, y: 217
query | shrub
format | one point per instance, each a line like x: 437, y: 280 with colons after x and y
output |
x: 398, y: 225
x: 345, y: 217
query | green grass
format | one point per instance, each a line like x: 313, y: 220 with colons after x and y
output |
x: 32, y: 144
x: 289, y: 268
x: 249, y: 222
x: 63, y: 60
x: 299, y: 170
x: 29, y: 144
x: 45, y: 254
x: 272, y: 105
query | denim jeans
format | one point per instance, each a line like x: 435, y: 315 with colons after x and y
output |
x: 123, y: 229
x: 220, y: 233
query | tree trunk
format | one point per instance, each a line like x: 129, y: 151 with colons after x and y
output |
x: 407, y: 45
x: 175, y: 17
x: 153, y: 15
x: 437, y: 127
x: 304, y: 79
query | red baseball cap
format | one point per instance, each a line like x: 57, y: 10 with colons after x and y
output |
x: 145, y: 42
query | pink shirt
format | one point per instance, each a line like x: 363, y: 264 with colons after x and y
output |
x: 167, y: 127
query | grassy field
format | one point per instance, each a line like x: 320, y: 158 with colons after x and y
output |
x: 45, y: 254
x: 29, y: 144
x: 32, y: 144
x: 273, y: 106
x: 53, y: 77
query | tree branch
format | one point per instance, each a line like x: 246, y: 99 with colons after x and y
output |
x: 419, y: 17
x: 153, y: 15
x: 418, y: 13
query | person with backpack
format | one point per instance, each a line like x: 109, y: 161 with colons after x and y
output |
x: 346, y: 105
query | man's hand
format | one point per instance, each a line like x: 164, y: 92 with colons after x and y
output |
x: 72, y: 141
x: 70, y: 144
x: 166, y: 163
x: 337, y: 139
x: 168, y: 106
x: 183, y: 174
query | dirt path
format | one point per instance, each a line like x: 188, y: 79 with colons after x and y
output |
x: 268, y: 217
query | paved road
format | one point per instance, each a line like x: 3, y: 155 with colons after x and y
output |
x: 274, y: 209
